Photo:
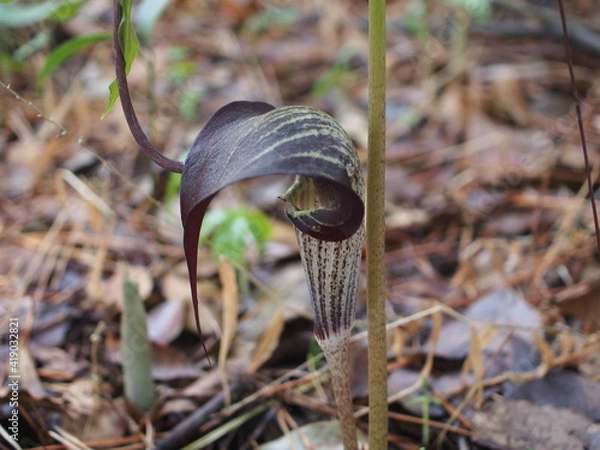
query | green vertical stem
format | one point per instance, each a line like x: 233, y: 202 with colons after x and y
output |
x: 376, y: 230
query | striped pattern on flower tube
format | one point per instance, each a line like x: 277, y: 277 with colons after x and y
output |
x: 244, y: 140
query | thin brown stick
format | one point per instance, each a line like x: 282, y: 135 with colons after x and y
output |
x: 588, y: 171
x: 188, y: 429
x: 134, y: 125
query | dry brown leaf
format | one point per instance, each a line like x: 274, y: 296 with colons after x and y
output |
x: 268, y: 341
x: 29, y: 375
x: 477, y: 362
x: 507, y: 97
x: 87, y: 415
x: 57, y: 364
x: 518, y: 424
x: 581, y: 301
x: 168, y: 363
x: 504, y: 312
x: 562, y: 389
x: 177, y: 406
x: 231, y: 301
x: 504, y: 156
x: 176, y: 287
x: 166, y: 321
x: 113, y: 287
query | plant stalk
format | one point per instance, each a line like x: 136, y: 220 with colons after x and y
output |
x: 577, y: 98
x: 336, y: 353
x: 375, y: 240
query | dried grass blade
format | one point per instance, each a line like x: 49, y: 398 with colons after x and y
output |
x: 231, y: 302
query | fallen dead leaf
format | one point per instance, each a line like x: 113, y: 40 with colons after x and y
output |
x: 318, y: 435
x: 166, y: 321
x: 113, y: 287
x: 504, y: 312
x: 86, y: 414
x: 562, y: 389
x: 56, y: 364
x: 518, y: 424
x: 268, y: 342
x: 168, y: 363
x: 230, y: 304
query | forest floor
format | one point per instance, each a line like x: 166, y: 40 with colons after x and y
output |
x: 492, y: 267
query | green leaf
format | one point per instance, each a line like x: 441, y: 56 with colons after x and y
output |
x: 36, y: 43
x: 148, y: 13
x: 66, y: 50
x: 16, y: 15
x: 113, y: 96
x: 232, y: 230
x: 128, y: 39
x: 187, y: 105
x: 415, y: 18
x: 477, y: 9
x: 334, y: 76
x: 172, y: 188
x: 67, y: 11
x: 181, y: 71
x: 8, y: 66
x: 272, y: 16
x: 129, y: 44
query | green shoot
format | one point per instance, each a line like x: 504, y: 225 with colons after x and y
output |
x: 136, y: 349
x: 425, y: 400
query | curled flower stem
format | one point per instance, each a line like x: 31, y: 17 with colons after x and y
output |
x: 134, y: 125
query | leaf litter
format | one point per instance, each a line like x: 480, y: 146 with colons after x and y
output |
x: 491, y: 266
